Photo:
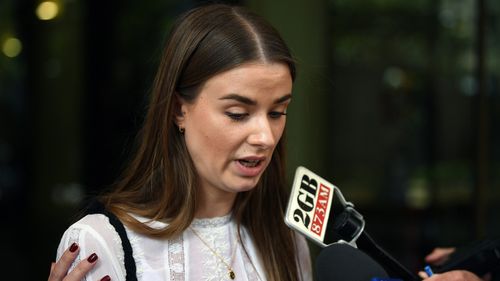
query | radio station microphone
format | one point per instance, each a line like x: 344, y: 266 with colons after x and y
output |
x: 343, y: 262
x: 319, y: 211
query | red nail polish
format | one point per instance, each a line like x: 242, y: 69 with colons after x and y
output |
x: 92, y: 258
x: 106, y: 278
x: 73, y: 247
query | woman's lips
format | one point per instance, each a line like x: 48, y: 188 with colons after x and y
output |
x: 250, y: 166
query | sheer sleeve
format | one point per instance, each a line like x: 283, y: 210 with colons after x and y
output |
x: 304, y: 258
x: 94, y: 234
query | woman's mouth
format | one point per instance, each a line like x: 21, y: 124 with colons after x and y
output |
x: 249, y: 163
x: 250, y: 166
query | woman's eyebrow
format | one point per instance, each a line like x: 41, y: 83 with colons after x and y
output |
x: 283, y: 99
x: 249, y: 101
x: 239, y: 98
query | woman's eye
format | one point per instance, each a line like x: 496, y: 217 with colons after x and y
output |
x: 236, y: 116
x: 276, y: 114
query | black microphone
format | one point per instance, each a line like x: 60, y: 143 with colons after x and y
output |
x: 345, y: 263
x: 346, y: 226
x: 318, y: 210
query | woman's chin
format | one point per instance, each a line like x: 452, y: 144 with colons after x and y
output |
x: 245, y: 185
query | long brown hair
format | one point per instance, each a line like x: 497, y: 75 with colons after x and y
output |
x: 160, y: 182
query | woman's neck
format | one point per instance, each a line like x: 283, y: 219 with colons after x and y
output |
x: 214, y: 204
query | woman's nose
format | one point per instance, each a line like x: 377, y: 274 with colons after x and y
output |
x: 262, y: 134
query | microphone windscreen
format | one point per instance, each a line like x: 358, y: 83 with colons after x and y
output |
x: 343, y: 262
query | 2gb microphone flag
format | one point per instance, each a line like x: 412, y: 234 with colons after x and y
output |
x: 310, y: 203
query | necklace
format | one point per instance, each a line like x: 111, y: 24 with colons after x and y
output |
x: 229, y: 268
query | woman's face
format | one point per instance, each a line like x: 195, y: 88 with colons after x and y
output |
x: 234, y: 125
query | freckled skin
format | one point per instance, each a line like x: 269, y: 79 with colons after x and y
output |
x: 216, y: 140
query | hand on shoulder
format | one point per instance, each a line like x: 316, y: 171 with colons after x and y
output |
x: 59, y: 270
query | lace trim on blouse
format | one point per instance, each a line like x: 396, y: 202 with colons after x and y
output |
x: 176, y: 258
x: 74, y: 235
x: 211, y: 222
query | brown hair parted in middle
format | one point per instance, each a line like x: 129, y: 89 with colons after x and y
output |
x: 160, y: 182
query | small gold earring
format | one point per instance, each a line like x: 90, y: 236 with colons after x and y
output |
x: 181, y: 130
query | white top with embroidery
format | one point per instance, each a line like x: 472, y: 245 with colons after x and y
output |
x: 184, y: 258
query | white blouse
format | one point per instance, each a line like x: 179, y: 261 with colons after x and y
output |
x: 183, y: 258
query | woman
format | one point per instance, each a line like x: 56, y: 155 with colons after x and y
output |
x: 204, y: 195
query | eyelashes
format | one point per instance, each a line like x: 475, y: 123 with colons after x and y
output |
x: 276, y: 114
x: 242, y: 116
x: 237, y: 116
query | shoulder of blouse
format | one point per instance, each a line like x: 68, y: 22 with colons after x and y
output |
x: 94, y: 234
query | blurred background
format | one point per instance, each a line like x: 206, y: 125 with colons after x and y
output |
x: 397, y: 103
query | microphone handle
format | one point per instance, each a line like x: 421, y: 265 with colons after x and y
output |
x: 368, y: 245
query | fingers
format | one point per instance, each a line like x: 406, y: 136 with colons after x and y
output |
x: 439, y: 255
x: 82, y: 268
x: 59, y: 269
x: 423, y: 274
x: 454, y: 275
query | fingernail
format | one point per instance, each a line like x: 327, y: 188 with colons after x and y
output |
x: 73, y: 247
x: 106, y: 278
x: 92, y: 258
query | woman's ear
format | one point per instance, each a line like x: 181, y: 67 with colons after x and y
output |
x: 179, y: 110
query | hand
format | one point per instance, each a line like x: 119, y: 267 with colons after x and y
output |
x: 59, y: 270
x: 454, y: 275
x: 439, y: 256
